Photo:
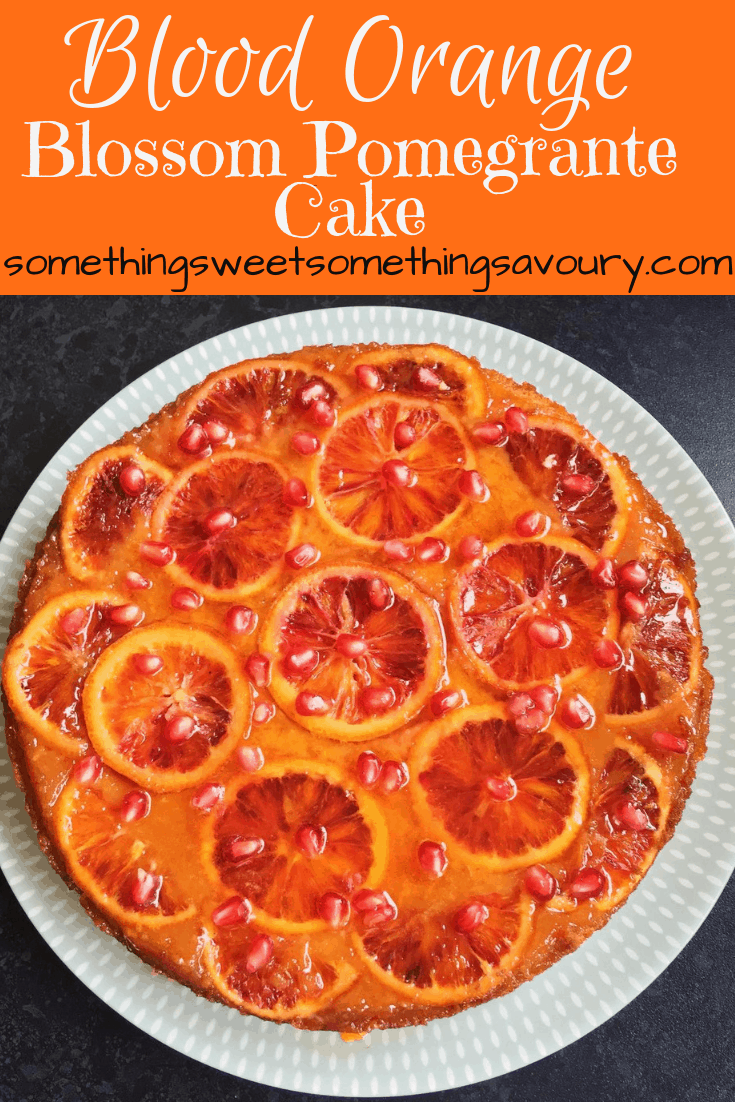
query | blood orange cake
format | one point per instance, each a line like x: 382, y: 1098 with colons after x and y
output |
x: 357, y: 686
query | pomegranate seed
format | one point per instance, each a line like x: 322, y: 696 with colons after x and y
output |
x: 633, y: 575
x: 306, y: 554
x: 239, y: 849
x: 393, y: 777
x: 532, y: 524
x: 634, y: 606
x: 263, y: 712
x: 629, y: 816
x: 259, y: 954
x: 233, y: 912
x: 380, y: 594
x: 311, y: 392
x: 501, y: 788
x: 368, y: 377
x: 301, y: 663
x: 398, y: 550
x: 607, y: 654
x: 207, y: 796
x: 240, y: 620
x: 531, y: 721
x: 576, y: 712
x: 433, y: 858
x: 471, y: 484
x: 193, y: 440
x: 305, y: 443
x: 161, y: 554
x: 147, y: 664
x: 492, y: 432
x: 186, y: 600
x: 312, y: 704
x: 368, y: 768
x: 134, y: 580
x: 132, y: 480
x: 578, y: 484
x: 404, y: 435
x: 587, y: 884
x: 377, y: 699
x: 350, y: 646
x: 322, y: 414
x: 516, y: 420
x: 426, y: 379
x: 545, y: 697
x: 135, y: 806
x: 311, y: 840
x: 74, y: 622
x: 446, y: 700
x: 397, y: 473
x: 545, y: 633
x: 219, y: 520
x: 146, y: 888
x: 125, y: 615
x: 88, y: 769
x: 469, y: 917
x: 665, y: 740
x: 540, y: 883
x: 215, y: 430
x: 250, y: 758
x: 179, y: 729
x: 432, y: 550
x: 258, y: 669
x: 296, y: 494
x: 603, y: 574
x: 375, y: 907
x: 471, y: 548
x: 334, y: 909
x: 520, y: 703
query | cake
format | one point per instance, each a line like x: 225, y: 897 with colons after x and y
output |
x: 357, y: 686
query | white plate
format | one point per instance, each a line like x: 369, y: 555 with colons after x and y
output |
x: 576, y: 994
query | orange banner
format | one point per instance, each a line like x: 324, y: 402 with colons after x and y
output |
x: 416, y: 147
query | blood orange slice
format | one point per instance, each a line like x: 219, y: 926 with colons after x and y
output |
x: 662, y: 651
x: 125, y: 868
x: 428, y: 370
x: 529, y: 612
x: 47, y: 663
x: 371, y: 490
x: 288, y: 834
x: 372, y: 649
x: 227, y: 521
x: 424, y: 956
x: 166, y: 726
x: 273, y: 977
x: 629, y: 811
x: 507, y: 799
x: 573, y: 476
x: 253, y: 400
x: 109, y: 498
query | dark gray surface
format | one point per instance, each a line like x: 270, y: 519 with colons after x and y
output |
x: 60, y: 359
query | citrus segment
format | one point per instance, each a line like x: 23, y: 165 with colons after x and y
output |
x: 166, y: 728
x: 47, y: 663
x: 296, y: 982
x: 565, y: 467
x: 507, y: 799
x: 373, y: 490
x: 367, y: 644
x: 228, y: 522
x: 108, y: 499
x: 429, y: 370
x: 285, y: 836
x: 529, y: 611
x: 427, y: 959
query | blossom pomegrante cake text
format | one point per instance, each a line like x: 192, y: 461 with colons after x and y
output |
x: 357, y: 686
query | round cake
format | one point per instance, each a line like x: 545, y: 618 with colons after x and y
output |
x: 357, y: 686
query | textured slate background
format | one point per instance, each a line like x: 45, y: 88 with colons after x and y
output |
x: 60, y: 359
